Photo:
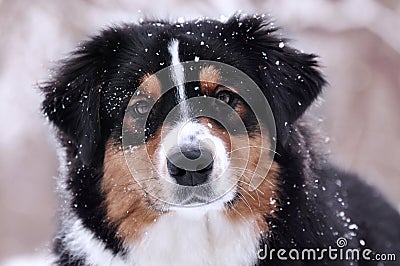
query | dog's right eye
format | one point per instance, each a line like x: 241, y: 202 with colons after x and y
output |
x: 141, y: 107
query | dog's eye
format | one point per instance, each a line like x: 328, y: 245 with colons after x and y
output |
x: 141, y: 107
x: 227, y: 97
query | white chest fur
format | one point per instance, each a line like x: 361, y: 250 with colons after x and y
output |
x: 185, y: 238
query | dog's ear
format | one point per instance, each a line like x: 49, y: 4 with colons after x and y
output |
x: 72, y: 98
x: 290, y: 79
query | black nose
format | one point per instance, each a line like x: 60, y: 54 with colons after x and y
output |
x: 190, y: 167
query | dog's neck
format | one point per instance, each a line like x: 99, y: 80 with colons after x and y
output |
x: 178, y: 238
x: 207, y: 239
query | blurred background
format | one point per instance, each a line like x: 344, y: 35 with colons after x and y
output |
x: 359, y: 46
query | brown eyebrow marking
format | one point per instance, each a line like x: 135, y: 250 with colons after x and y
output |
x: 150, y: 85
x: 209, y: 78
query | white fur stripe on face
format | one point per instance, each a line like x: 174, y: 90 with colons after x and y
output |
x: 178, y: 75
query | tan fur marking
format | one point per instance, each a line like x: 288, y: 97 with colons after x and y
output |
x: 151, y: 86
x: 253, y: 202
x: 209, y: 78
x: 128, y: 206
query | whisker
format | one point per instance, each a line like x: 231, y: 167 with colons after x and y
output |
x: 243, y: 159
x: 246, y: 190
x: 259, y: 147
x: 126, y: 185
x: 247, y: 171
x: 250, y: 185
x: 254, y: 173
x: 245, y: 202
x: 241, y: 216
x: 258, y: 197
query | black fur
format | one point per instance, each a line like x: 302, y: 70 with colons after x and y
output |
x: 87, y: 97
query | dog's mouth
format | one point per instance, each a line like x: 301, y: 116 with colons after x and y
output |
x: 193, y: 196
x: 201, y: 199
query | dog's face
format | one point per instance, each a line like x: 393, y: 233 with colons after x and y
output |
x: 198, y: 136
x: 178, y: 117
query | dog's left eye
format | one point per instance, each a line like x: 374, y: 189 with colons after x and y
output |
x: 141, y: 107
x: 227, y: 97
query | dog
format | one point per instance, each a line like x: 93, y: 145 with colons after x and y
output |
x: 186, y: 144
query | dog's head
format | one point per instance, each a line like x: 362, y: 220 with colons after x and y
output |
x: 181, y: 116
